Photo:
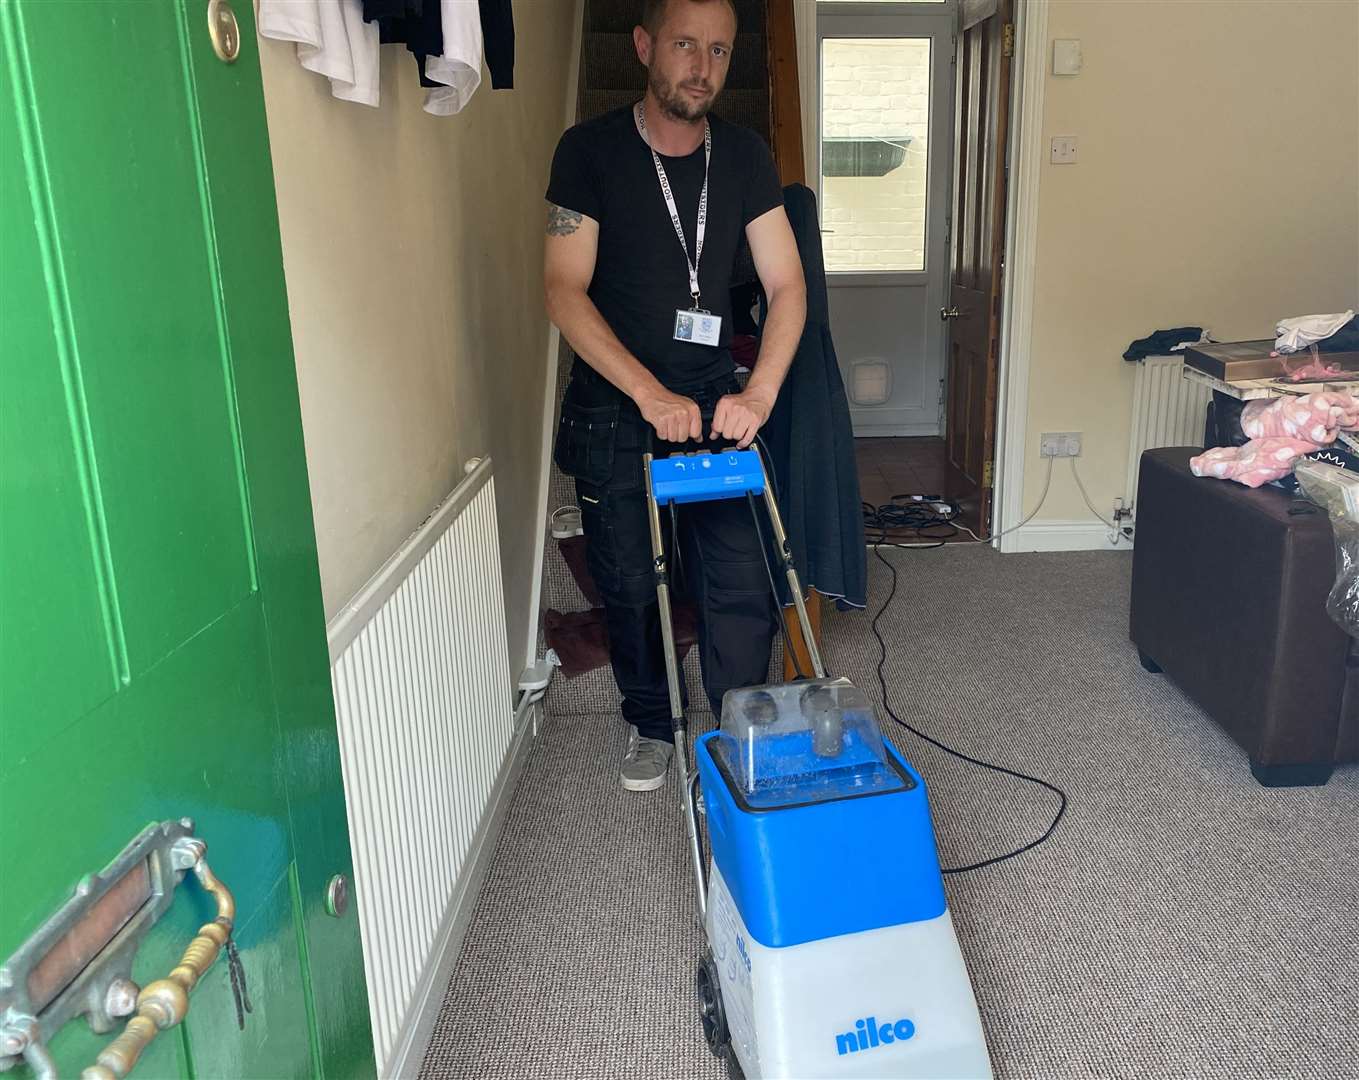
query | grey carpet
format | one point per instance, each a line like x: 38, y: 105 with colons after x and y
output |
x: 1182, y: 922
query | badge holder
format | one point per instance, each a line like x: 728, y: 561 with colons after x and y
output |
x: 698, y: 326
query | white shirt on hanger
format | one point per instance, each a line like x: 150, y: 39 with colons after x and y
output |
x: 332, y: 40
x: 459, y: 68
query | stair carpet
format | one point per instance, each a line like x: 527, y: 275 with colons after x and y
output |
x: 622, y: 15
x: 611, y: 75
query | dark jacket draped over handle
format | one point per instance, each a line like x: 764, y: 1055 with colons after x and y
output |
x: 811, y: 440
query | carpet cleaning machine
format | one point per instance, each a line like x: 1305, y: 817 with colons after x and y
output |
x: 830, y: 949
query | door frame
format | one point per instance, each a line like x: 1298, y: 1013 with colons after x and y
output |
x: 1025, y: 160
x: 888, y: 21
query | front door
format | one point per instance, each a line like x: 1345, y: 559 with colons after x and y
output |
x: 884, y: 77
x: 162, y: 642
x: 985, y: 47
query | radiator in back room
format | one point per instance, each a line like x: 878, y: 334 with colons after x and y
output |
x: 1168, y: 410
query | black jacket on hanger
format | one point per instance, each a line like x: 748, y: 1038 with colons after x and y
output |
x: 417, y: 24
x: 811, y: 440
x: 497, y: 33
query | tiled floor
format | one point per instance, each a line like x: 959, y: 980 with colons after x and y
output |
x: 890, y: 467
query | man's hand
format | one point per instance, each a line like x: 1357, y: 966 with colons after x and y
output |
x: 740, y: 416
x: 675, y: 418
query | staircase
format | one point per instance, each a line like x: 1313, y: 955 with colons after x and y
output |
x: 611, y: 76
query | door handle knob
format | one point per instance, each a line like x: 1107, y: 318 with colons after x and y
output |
x: 946, y: 313
x: 337, y: 896
x: 224, y: 31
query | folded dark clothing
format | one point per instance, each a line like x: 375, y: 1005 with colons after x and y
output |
x: 581, y: 638
x: 1224, y: 422
x: 1346, y: 339
x: 1162, y: 342
x: 745, y: 350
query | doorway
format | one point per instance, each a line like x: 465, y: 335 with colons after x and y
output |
x: 908, y: 104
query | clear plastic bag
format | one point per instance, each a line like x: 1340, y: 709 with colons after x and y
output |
x: 1338, y: 491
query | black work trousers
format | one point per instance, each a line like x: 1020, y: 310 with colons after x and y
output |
x: 721, y: 567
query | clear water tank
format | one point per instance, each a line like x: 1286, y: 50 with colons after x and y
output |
x: 803, y: 743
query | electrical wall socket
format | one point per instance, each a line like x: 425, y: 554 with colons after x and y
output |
x: 1063, y: 150
x: 1060, y: 444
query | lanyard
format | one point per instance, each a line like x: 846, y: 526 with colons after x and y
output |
x: 701, y: 229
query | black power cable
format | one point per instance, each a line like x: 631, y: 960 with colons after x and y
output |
x: 882, y: 681
x: 916, y: 514
x: 767, y: 461
x: 911, y: 513
x: 773, y: 589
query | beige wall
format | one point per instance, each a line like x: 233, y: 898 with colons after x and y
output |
x: 1217, y: 185
x: 412, y: 246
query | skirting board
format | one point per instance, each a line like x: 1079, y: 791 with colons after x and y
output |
x: 1078, y: 535
x: 414, y: 1042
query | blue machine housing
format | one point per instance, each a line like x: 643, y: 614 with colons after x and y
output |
x: 727, y: 474
x: 808, y: 872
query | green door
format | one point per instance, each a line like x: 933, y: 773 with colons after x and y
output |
x: 162, y: 640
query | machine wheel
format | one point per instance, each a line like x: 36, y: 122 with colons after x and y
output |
x: 710, y: 1009
x: 734, y: 1071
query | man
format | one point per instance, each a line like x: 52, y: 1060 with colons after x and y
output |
x: 649, y: 317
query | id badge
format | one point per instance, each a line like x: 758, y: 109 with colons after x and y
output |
x: 698, y: 327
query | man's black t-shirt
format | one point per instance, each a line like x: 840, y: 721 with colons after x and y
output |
x: 604, y: 170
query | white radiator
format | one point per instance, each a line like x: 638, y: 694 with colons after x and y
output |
x: 1168, y: 410
x: 420, y: 671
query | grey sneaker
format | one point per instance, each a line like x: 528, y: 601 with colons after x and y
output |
x: 645, y: 762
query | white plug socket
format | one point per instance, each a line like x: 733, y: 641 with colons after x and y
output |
x: 1060, y: 444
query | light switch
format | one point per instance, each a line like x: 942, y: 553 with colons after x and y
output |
x: 1066, y: 57
x: 1064, y: 150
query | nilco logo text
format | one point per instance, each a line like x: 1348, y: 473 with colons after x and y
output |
x: 868, y: 1033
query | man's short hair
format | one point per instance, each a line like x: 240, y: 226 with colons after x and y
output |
x: 653, y: 12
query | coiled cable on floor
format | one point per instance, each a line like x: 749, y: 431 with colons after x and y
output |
x: 911, y: 513
x: 886, y: 704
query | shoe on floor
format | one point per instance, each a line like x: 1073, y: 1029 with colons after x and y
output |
x: 565, y: 522
x: 645, y: 762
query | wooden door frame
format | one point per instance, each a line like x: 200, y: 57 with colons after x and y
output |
x: 933, y: 279
x: 1025, y: 159
x: 554, y: 354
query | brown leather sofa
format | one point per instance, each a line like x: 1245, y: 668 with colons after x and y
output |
x: 1228, y: 600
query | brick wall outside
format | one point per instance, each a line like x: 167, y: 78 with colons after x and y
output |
x: 876, y: 89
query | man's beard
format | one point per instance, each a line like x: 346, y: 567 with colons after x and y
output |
x: 675, y: 103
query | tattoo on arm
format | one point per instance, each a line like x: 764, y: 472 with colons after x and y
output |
x: 561, y: 221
